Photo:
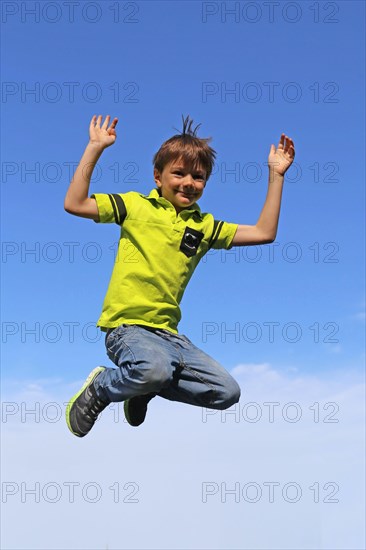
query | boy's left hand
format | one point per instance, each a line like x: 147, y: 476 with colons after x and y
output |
x: 280, y: 159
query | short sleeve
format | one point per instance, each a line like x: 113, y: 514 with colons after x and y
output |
x: 222, y: 234
x: 111, y: 207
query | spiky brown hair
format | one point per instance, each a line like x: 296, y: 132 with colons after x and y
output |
x: 186, y: 145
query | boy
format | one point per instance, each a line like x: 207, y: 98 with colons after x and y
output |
x: 163, y: 237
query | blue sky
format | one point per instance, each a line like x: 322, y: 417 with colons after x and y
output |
x: 247, y: 76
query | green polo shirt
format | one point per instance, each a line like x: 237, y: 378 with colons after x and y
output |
x: 158, y: 251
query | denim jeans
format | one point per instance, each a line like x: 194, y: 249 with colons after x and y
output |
x: 158, y: 361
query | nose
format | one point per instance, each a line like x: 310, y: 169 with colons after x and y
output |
x: 189, y: 181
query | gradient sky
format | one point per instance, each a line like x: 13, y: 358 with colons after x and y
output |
x: 248, y: 72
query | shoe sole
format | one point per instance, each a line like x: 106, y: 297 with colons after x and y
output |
x: 87, y: 383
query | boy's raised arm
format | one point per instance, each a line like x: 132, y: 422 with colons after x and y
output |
x: 77, y: 199
x: 265, y: 230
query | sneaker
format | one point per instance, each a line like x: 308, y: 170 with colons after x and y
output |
x: 136, y: 408
x: 83, y: 409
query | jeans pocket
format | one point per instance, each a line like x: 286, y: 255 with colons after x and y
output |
x: 117, y: 340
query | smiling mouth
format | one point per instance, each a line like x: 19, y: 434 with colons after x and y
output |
x: 189, y: 195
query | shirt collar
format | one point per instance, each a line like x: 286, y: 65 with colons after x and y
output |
x: 154, y: 194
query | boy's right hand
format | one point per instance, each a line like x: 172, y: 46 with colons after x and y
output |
x: 102, y: 136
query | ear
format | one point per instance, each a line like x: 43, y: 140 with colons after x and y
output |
x: 157, y: 177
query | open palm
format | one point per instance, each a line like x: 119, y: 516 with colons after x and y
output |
x: 280, y: 159
x: 104, y: 135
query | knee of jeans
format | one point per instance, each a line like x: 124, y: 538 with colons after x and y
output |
x: 231, y: 396
x: 156, y: 376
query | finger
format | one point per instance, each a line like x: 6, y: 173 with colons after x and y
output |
x: 290, y: 150
x: 114, y: 122
x: 282, y: 141
x: 92, y: 122
x: 287, y: 142
x: 99, y: 120
x: 106, y: 122
x: 290, y: 145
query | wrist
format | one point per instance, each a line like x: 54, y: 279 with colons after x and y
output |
x: 275, y: 176
x: 95, y: 147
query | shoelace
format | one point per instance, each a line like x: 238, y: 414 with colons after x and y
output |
x: 95, y: 407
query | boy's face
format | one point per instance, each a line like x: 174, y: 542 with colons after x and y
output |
x: 179, y: 184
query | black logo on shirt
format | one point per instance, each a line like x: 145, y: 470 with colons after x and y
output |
x: 191, y: 241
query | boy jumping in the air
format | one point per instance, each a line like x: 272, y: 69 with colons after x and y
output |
x: 163, y: 237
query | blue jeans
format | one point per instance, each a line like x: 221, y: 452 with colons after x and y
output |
x: 158, y: 361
